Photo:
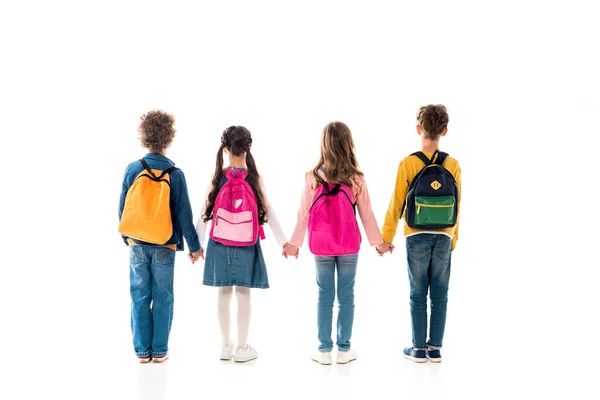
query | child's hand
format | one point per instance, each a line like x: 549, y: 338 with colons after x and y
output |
x: 196, y: 255
x: 290, y: 250
x: 384, y: 248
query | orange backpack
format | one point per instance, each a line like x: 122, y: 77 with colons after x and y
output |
x: 147, y: 212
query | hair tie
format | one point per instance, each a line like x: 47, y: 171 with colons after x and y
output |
x: 224, y: 137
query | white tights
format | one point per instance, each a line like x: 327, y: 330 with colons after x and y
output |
x: 243, y: 316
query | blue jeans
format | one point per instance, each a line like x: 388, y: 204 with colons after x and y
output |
x: 346, y: 272
x: 428, y: 269
x: 151, y: 287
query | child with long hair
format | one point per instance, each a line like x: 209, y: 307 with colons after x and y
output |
x: 233, y: 256
x: 333, y: 190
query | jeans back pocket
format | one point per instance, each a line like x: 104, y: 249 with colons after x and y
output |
x: 164, y: 256
x: 136, y: 255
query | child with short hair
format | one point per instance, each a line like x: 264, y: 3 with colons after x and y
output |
x: 148, y: 184
x: 427, y: 196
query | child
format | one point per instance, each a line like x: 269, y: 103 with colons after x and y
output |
x: 332, y: 191
x: 152, y: 259
x: 432, y: 201
x: 234, y: 258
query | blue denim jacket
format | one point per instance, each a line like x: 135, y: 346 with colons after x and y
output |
x: 181, y: 210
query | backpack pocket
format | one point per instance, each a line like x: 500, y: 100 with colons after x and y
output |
x: 235, y: 227
x: 434, y: 210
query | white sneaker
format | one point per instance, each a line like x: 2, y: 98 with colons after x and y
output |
x: 344, y: 357
x: 322, y: 357
x: 160, y: 359
x: 227, y: 352
x: 244, y: 355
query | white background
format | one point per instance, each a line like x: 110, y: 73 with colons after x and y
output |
x: 520, y: 81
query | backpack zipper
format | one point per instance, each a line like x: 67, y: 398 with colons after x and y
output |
x: 419, y: 205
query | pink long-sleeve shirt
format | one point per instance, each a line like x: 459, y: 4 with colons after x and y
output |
x: 361, y: 198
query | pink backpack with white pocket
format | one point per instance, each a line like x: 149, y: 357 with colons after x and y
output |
x: 332, y: 226
x: 235, y: 215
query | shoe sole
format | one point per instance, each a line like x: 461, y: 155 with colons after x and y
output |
x: 434, y: 360
x: 414, y: 359
x: 225, y: 359
x: 145, y: 360
x: 322, y: 363
x: 344, y: 362
x: 154, y: 360
x: 244, y: 361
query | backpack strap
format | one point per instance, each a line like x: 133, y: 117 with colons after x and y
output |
x: 422, y: 157
x: 149, y: 170
x: 168, y: 171
x: 336, y: 190
x: 332, y: 191
x: 441, y: 158
x: 234, y: 173
x: 147, y: 167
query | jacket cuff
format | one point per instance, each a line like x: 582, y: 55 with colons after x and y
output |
x: 193, y: 244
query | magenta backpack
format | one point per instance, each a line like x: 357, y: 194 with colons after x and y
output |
x: 332, y: 226
x: 235, y: 215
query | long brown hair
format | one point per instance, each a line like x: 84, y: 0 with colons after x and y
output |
x: 237, y: 140
x: 338, y: 156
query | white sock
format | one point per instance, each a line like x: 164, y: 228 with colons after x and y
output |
x: 243, y: 316
x: 224, y: 307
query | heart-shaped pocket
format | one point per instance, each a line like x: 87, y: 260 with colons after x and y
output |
x: 237, y: 203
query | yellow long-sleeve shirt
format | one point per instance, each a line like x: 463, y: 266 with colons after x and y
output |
x: 407, y: 170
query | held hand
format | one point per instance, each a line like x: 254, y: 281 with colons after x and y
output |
x: 290, y: 250
x: 196, y: 255
x: 384, y: 248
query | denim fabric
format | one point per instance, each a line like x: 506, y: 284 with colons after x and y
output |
x: 181, y: 210
x: 151, y: 288
x: 235, y: 266
x: 429, y: 258
x: 346, y: 273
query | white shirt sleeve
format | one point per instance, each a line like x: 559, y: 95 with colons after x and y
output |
x: 201, y: 225
x: 273, y: 221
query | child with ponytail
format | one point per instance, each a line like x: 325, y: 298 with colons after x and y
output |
x: 238, y: 207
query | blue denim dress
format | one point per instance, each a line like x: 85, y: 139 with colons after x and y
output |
x: 233, y: 265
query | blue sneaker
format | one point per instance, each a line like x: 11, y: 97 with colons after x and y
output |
x: 418, y: 356
x: 434, y: 356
